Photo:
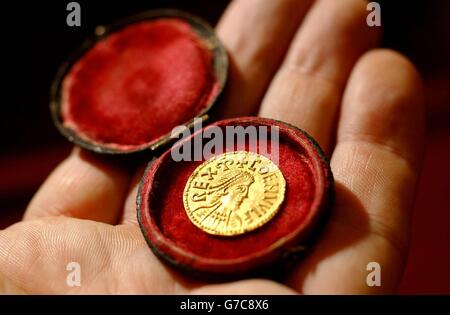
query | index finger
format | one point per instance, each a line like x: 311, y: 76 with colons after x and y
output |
x: 256, y: 34
x: 84, y: 186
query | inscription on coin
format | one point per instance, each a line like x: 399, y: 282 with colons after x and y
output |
x: 234, y: 193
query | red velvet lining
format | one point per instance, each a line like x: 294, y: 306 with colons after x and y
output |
x: 168, y: 228
x: 175, y: 225
x: 138, y: 83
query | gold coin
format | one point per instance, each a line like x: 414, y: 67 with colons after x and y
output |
x: 234, y: 193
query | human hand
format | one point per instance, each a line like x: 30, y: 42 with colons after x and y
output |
x: 364, y: 108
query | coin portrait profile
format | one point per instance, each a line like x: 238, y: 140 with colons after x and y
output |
x: 234, y: 193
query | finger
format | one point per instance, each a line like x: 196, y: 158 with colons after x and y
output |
x: 38, y: 257
x: 307, y: 89
x: 376, y: 166
x: 129, y: 214
x: 43, y: 257
x: 83, y: 187
x: 256, y: 34
x: 245, y: 287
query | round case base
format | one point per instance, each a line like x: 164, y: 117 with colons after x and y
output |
x: 307, y: 202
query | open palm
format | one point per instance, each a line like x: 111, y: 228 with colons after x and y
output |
x: 312, y: 65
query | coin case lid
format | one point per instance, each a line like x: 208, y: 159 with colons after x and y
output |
x: 303, y: 213
x: 132, y: 82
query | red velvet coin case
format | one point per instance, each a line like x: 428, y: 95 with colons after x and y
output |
x: 129, y: 85
x: 127, y: 88
x: 173, y: 238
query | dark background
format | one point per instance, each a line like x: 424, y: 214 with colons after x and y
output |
x: 36, y: 40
